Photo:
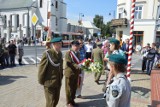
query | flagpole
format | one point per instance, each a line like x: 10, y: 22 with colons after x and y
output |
x: 130, y: 40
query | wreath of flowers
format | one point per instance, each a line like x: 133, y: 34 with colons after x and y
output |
x: 89, y: 66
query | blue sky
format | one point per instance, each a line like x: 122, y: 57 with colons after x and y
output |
x: 89, y: 8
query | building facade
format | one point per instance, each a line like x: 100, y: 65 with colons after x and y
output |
x: 85, y: 27
x: 16, y: 16
x: 145, y: 21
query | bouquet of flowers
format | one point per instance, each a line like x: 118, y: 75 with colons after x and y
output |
x: 96, y: 67
x: 86, y: 65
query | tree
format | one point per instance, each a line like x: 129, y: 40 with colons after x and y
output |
x: 109, y: 29
x: 106, y: 29
x: 98, y: 21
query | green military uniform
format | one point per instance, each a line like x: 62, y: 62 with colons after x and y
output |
x: 97, y: 55
x: 50, y: 76
x: 71, y: 76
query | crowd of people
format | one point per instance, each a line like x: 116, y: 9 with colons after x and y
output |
x: 9, y: 52
x: 109, y: 53
x: 150, y: 57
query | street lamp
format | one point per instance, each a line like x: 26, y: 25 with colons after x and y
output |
x: 112, y: 12
x: 49, y: 13
x: 80, y: 20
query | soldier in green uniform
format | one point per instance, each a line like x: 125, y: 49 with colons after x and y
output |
x: 71, y: 72
x: 97, y: 55
x: 51, y: 72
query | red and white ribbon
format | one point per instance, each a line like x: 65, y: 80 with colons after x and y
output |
x: 76, y: 60
x: 74, y: 57
x: 131, y: 39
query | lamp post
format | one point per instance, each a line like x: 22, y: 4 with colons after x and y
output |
x: 80, y: 19
x: 112, y: 12
x: 48, y: 14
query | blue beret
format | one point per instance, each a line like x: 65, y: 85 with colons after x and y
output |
x: 75, y: 43
x: 115, y: 41
x: 56, y: 39
x: 117, y: 58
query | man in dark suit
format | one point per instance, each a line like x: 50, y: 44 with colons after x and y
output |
x: 125, y: 48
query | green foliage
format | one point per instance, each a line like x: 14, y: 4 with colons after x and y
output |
x: 106, y: 29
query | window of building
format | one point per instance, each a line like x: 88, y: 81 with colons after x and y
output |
x: 48, y: 15
x: 120, y: 13
x: 138, y: 37
x: 158, y: 33
x: 17, y: 20
x: 11, y: 19
x: 41, y: 2
x: 25, y: 19
x: 56, y: 4
x: 138, y: 12
x: 5, y: 21
x: 56, y: 21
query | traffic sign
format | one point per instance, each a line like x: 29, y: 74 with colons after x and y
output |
x: 34, y: 19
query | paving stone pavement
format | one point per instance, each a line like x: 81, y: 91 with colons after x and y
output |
x: 19, y: 88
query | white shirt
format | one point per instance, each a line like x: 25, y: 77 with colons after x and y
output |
x: 138, y: 48
x: 89, y: 47
x: 118, y: 93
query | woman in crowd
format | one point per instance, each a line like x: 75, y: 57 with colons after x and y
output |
x: 105, y: 49
x: 118, y: 93
x: 114, y: 49
x: 89, y: 48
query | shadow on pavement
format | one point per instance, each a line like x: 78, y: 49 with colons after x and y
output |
x: 4, y: 80
x: 95, y: 101
x: 144, y: 79
x: 137, y: 72
x: 99, y: 96
x: 15, y: 66
x: 10, y: 67
x: 140, y: 90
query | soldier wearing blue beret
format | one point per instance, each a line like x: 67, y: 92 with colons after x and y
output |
x: 114, y: 49
x: 115, y: 41
x: 51, y: 72
x: 118, y: 93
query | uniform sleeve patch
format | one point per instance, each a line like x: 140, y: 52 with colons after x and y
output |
x: 115, y: 93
